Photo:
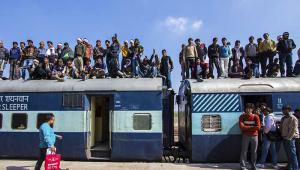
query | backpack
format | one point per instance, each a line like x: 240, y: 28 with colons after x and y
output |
x: 274, y: 136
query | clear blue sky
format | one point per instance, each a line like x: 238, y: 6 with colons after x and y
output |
x: 157, y: 23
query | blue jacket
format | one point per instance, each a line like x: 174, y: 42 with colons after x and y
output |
x: 47, y: 136
x: 225, y: 52
x: 15, y: 53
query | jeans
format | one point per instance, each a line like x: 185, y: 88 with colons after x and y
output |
x: 266, y: 145
x: 263, y: 62
x: 167, y: 82
x: 290, y: 149
x: 134, y: 65
x: 256, y: 70
x: 224, y: 66
x: 212, y: 62
x: 26, y: 64
x: 13, y: 69
x: 286, y: 59
x: 190, y: 62
x: 253, y: 141
x: 41, y: 159
x: 297, y: 142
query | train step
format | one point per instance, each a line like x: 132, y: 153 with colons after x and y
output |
x: 100, y: 153
x: 98, y: 159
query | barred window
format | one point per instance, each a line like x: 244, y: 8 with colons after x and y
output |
x: 72, y: 100
x: 19, y: 121
x: 211, y: 123
x: 142, y: 121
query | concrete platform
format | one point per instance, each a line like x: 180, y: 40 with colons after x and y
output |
x: 74, y: 165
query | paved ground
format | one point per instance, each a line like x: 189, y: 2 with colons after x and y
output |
x: 72, y: 165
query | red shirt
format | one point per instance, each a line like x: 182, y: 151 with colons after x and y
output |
x: 249, y: 124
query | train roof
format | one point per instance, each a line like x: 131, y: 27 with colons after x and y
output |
x: 242, y: 85
x: 77, y: 85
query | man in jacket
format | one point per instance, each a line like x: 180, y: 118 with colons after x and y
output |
x: 14, y: 60
x: 289, y: 133
x: 78, y: 55
x: 190, y: 54
x: 67, y: 53
x: 214, y: 57
x: 41, y: 52
x: 4, y: 55
x: 284, y: 48
x: 30, y: 55
x: 201, y: 50
x: 251, y: 50
x: 166, y: 68
x: 249, y: 124
x: 98, y: 51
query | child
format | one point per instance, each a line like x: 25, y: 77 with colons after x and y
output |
x: 87, y: 69
x: 70, y: 70
x: 99, y: 69
x: 273, y: 70
x: 248, y: 70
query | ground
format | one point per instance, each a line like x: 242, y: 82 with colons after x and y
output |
x: 75, y: 165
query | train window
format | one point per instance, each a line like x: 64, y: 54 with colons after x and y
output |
x: 72, y: 100
x: 19, y: 121
x: 1, y: 117
x: 211, y: 123
x: 41, y: 118
x: 142, y: 121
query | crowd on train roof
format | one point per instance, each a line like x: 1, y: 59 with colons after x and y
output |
x: 255, y: 60
x: 63, y: 62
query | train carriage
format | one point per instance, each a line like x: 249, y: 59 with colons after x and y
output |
x: 107, y: 119
x: 209, y: 113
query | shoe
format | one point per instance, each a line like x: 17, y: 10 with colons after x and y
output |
x: 274, y: 166
x: 292, y: 75
x: 282, y: 75
x: 261, y: 166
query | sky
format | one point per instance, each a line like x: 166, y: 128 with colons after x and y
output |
x: 159, y: 24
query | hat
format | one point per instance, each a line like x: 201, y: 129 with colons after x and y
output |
x: 79, y: 39
x: 1, y: 42
x: 85, y: 40
x: 131, y: 41
x: 36, y: 61
x: 126, y: 41
x: 59, y: 44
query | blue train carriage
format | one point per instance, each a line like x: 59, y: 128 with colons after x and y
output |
x: 209, y: 112
x: 107, y: 119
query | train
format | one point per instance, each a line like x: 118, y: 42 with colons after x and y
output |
x: 133, y: 119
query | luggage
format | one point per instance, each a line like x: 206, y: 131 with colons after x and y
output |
x: 52, y: 161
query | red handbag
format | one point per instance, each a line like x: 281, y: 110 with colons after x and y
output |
x: 52, y: 162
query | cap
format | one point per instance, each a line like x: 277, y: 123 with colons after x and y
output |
x: 131, y: 41
x: 59, y: 44
x: 79, y: 39
x: 1, y: 42
x: 126, y: 41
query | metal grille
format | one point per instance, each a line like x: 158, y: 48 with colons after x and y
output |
x: 142, y: 121
x: 72, y: 100
x: 211, y: 123
x: 1, y: 117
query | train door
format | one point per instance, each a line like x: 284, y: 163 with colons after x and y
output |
x: 257, y: 99
x: 100, y: 144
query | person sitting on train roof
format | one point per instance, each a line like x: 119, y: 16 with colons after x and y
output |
x: 87, y: 69
x: 99, y: 69
x: 248, y: 70
x: 67, y: 53
x: 14, y: 60
x: 236, y: 71
x: 268, y: 51
x: 70, y: 70
x: 59, y: 70
x: 50, y: 53
x: 146, y: 67
x: 48, y: 68
x: 200, y: 70
x: 249, y: 124
x: 214, y: 57
x: 285, y: 48
x: 36, y: 71
x: 296, y: 70
x: 273, y: 70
